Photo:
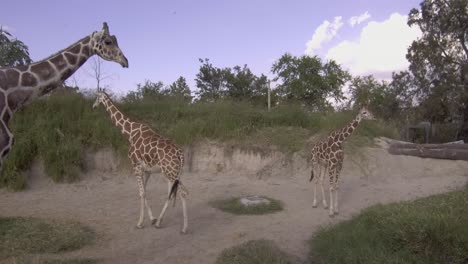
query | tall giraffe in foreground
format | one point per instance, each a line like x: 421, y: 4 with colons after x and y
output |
x: 147, y: 150
x: 20, y: 85
x: 328, y: 155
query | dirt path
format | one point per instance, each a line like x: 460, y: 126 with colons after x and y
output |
x: 109, y: 204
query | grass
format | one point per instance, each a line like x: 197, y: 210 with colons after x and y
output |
x: 21, y: 236
x: 234, y: 206
x: 427, y: 230
x: 254, y: 252
x: 59, y: 128
x: 45, y: 260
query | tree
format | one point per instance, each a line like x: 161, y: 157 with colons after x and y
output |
x: 439, y: 59
x: 96, y: 71
x: 180, y: 89
x: 308, y: 80
x: 381, y: 98
x: 148, y: 90
x: 211, y: 82
x: 13, y: 52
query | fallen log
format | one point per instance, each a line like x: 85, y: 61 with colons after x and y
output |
x: 433, y: 153
x: 428, y: 146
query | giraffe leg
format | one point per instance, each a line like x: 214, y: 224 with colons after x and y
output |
x: 184, y: 211
x: 336, y: 199
x: 322, y: 175
x: 142, y: 199
x: 332, y: 190
x: 148, y: 208
x: 161, y: 215
x: 314, y: 204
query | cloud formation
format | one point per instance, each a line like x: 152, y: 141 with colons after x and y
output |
x: 356, y: 20
x: 380, y: 49
x: 323, y: 34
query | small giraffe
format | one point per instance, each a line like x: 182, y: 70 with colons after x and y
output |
x: 328, y: 155
x: 147, y: 150
x: 20, y: 85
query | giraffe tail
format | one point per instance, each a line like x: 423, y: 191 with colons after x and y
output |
x: 311, y: 173
x: 174, y: 189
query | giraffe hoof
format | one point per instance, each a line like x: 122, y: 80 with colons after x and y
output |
x: 314, y: 206
x: 325, y: 207
x: 154, y: 221
x: 183, y: 232
x: 138, y: 226
x: 336, y: 213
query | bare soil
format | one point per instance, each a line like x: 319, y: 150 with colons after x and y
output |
x: 107, y: 200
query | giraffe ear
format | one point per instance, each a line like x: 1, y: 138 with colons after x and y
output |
x: 105, y: 28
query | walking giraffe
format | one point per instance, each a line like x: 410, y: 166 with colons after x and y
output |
x: 328, y: 155
x: 20, y: 85
x: 147, y: 150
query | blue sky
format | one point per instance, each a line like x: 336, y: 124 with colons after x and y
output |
x: 164, y: 39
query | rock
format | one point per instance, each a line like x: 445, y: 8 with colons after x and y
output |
x: 254, y: 200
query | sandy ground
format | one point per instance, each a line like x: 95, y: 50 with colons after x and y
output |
x: 109, y: 203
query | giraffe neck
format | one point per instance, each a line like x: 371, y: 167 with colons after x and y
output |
x: 22, y: 84
x: 118, y: 118
x: 348, y: 130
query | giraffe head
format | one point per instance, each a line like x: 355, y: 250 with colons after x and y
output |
x: 364, y: 113
x: 105, y: 46
x: 101, y: 96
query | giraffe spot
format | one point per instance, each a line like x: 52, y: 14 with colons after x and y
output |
x: 335, y: 138
x: 59, y: 62
x: 334, y: 147
x: 330, y: 141
x: 347, y: 134
x: 86, y: 51
x: 350, y: 130
x: 3, y: 80
x: 341, y: 137
x: 146, y: 133
x: 127, y: 126
x: 75, y: 49
x: 27, y: 79
x: 333, y: 160
x: 86, y: 40
x: 118, y: 115
x: 355, y: 123
x: 67, y: 73
x: 17, y: 98
x: 44, y: 70
x: 82, y: 60
x: 6, y: 116
x: 12, y: 77
x: 2, y: 102
x: 71, y: 58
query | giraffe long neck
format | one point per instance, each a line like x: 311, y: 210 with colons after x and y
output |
x: 348, y: 130
x: 118, y: 118
x: 22, y: 84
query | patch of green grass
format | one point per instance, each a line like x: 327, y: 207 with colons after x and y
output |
x: 254, y: 252
x: 234, y: 206
x: 20, y: 236
x: 427, y: 230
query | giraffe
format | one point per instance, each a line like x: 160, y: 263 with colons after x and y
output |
x: 20, y: 85
x: 328, y: 155
x: 148, y: 150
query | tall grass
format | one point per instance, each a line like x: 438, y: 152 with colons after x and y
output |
x: 427, y: 230
x: 57, y: 129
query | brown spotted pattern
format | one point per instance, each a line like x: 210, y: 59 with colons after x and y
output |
x: 328, y: 156
x: 147, y: 150
x: 21, y: 84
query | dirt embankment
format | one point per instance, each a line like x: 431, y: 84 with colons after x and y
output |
x: 107, y: 200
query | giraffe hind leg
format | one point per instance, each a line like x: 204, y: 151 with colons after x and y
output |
x: 6, y: 142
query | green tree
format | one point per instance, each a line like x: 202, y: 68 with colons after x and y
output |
x: 439, y: 59
x: 210, y: 81
x: 13, y: 52
x: 180, y: 89
x: 148, y: 90
x: 308, y: 80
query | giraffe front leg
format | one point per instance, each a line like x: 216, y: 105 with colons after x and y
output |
x: 314, y: 204
x: 148, y: 208
x: 6, y: 143
x: 324, y: 200
x: 332, y: 189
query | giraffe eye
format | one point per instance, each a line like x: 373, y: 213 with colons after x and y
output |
x: 107, y: 41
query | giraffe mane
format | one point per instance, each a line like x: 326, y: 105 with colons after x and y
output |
x: 62, y: 50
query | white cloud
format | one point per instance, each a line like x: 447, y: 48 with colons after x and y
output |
x: 380, y: 49
x: 324, y: 33
x: 356, y: 20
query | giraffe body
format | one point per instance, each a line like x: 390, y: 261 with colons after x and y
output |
x: 328, y: 156
x: 149, y: 150
x: 20, y: 85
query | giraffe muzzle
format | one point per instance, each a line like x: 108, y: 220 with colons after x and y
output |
x: 124, y: 62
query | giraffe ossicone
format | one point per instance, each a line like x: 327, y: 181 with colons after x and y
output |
x: 147, y: 150
x: 22, y: 84
x: 328, y: 156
